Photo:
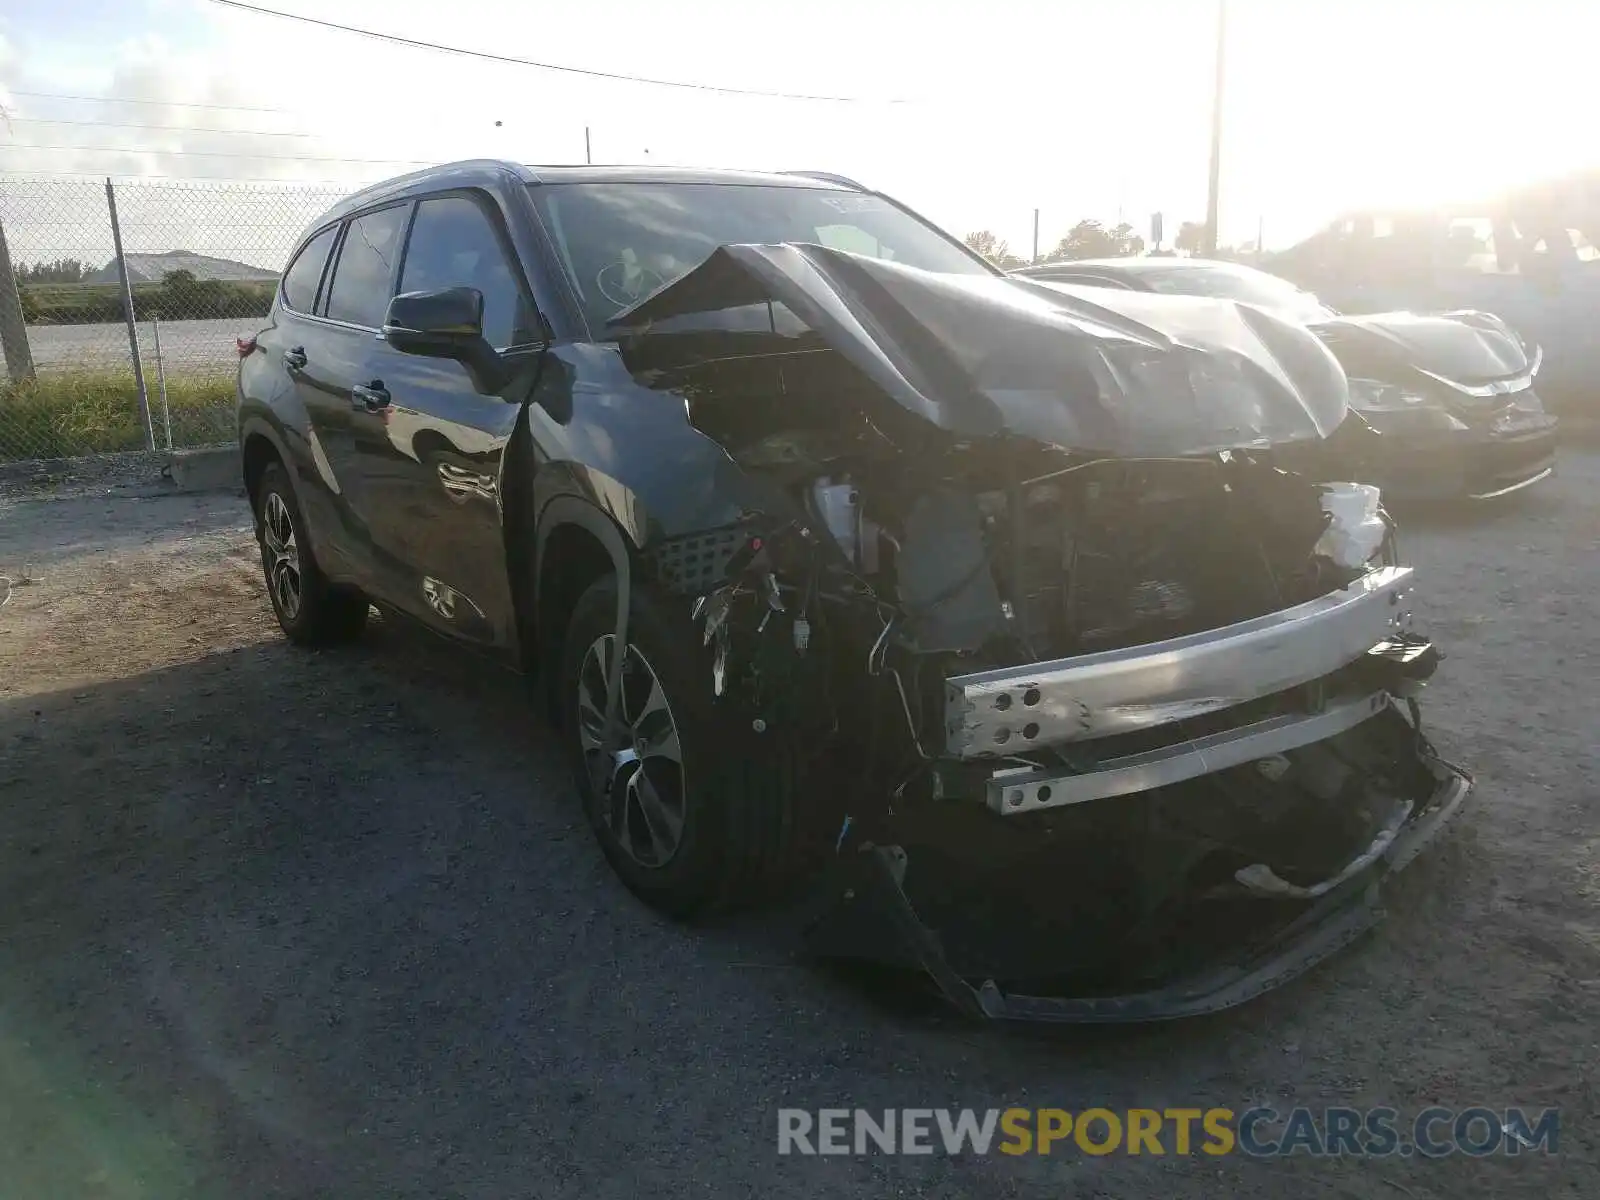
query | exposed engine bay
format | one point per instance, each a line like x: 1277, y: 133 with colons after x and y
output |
x: 1113, y: 736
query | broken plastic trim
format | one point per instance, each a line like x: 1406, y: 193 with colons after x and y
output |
x: 1264, y: 881
x: 1331, y: 923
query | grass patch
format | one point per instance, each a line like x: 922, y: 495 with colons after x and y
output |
x: 67, y: 415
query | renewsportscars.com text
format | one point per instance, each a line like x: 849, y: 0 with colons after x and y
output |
x: 1257, y: 1132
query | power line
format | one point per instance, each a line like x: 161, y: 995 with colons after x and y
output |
x: 415, y: 162
x: 169, y: 128
x: 417, y: 43
x: 158, y: 103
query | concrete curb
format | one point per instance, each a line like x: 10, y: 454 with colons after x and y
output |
x: 214, y: 470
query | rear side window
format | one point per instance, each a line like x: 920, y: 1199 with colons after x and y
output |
x: 454, y: 244
x: 359, y: 292
x: 301, y: 279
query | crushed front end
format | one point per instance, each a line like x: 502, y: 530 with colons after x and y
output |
x: 1099, y: 736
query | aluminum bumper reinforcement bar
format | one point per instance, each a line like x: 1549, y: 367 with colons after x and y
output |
x: 1011, y: 710
x: 1023, y: 789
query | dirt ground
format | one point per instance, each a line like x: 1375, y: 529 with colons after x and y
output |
x: 278, y: 924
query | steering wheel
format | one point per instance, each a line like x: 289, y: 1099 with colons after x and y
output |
x: 612, y: 282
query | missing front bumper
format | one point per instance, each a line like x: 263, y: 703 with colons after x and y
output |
x: 1012, y: 710
x: 871, y: 907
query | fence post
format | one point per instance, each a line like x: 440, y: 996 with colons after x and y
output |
x: 13, y: 329
x: 133, y: 327
x: 161, y: 380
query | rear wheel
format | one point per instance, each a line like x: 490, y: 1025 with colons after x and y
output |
x: 310, y: 610
x: 687, y: 816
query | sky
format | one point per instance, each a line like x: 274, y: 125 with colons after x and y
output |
x: 974, y: 114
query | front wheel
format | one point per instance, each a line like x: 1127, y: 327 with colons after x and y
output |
x: 310, y: 610
x: 687, y: 817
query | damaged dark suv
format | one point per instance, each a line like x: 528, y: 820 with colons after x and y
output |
x: 1007, y: 621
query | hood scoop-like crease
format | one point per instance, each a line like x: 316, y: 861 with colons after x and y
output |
x: 981, y: 355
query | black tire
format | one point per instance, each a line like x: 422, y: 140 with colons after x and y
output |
x: 310, y: 610
x: 740, y: 838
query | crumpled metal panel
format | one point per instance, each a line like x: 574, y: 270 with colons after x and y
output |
x: 983, y: 355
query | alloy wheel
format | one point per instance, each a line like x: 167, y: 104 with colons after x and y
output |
x: 635, y: 760
x: 280, y: 553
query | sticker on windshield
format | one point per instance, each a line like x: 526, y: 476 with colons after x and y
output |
x: 855, y: 204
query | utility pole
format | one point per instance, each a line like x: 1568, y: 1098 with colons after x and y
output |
x: 1210, y: 242
x: 1035, y: 257
x: 586, y: 157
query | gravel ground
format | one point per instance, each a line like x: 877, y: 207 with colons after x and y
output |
x: 283, y: 924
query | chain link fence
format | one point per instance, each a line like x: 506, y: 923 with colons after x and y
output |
x: 198, y: 261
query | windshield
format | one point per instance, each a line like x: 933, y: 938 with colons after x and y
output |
x: 1252, y: 287
x: 618, y: 242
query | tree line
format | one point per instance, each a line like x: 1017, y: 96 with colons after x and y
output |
x: 60, y: 270
x: 178, y: 297
x: 1089, y: 238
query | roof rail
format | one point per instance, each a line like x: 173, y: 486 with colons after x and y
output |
x: 829, y: 177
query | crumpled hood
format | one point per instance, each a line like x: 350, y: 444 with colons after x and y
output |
x: 1116, y: 373
x: 1466, y: 346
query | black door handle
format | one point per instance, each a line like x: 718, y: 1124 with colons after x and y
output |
x: 294, y: 358
x: 369, y: 397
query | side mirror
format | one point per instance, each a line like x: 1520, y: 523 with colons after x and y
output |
x: 446, y: 323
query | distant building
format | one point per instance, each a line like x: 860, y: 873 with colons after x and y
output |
x: 149, y: 268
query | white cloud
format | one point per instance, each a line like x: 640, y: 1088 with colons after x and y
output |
x: 984, y: 142
x: 1078, y: 109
